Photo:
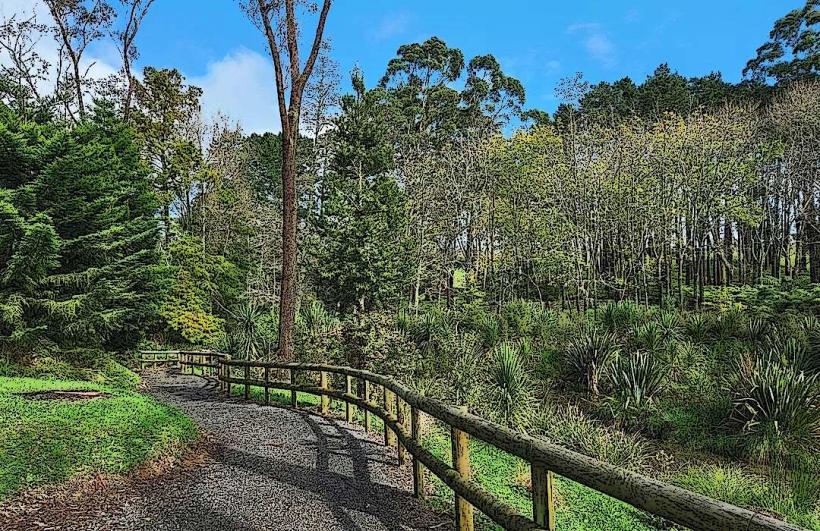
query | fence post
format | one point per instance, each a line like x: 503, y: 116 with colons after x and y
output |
x: 267, y: 389
x: 325, y: 400
x: 461, y: 462
x: 543, y: 510
x: 348, y: 406
x: 293, y: 401
x: 366, y: 399
x: 389, y: 436
x: 247, y: 379
x: 418, y: 471
x: 401, y: 421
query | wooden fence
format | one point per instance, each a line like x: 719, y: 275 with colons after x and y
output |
x: 397, y: 406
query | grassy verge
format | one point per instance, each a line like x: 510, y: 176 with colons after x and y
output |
x: 48, y: 441
x: 577, y: 507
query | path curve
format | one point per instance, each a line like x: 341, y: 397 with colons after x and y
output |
x: 268, y: 467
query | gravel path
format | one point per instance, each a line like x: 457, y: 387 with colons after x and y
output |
x: 274, y: 468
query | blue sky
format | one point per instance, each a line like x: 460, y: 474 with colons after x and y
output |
x: 539, y: 42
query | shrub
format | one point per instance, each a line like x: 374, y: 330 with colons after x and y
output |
x: 635, y: 380
x: 589, y: 355
x: 569, y: 426
x: 511, y: 385
x: 777, y: 408
x: 518, y: 317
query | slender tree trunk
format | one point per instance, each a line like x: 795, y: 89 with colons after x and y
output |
x: 287, y: 299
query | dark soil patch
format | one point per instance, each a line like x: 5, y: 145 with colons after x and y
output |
x: 64, y: 395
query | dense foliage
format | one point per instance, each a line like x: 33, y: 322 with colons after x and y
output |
x: 635, y: 276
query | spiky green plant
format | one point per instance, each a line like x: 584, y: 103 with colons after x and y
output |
x: 757, y: 329
x: 431, y: 330
x: 669, y: 325
x: 489, y: 330
x: 315, y: 320
x: 589, y: 355
x: 404, y: 321
x: 648, y: 336
x: 245, y: 338
x: 511, y: 385
x: 699, y: 325
x: 635, y: 381
x: 620, y: 315
x: 729, y: 324
x: 777, y: 408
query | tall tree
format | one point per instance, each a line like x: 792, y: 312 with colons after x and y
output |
x: 166, y: 108
x: 362, y: 239
x: 78, y: 23
x: 793, y: 49
x: 126, y: 43
x: 278, y: 20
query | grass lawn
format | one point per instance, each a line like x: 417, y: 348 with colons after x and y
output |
x: 577, y: 507
x: 48, y: 441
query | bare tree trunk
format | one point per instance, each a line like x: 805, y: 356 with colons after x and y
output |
x: 275, y: 22
x: 287, y: 299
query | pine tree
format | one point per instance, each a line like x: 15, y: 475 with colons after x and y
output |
x: 362, y: 251
x: 80, y: 256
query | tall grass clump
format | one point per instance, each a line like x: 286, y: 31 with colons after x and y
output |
x: 511, y: 385
x: 776, y: 406
x: 588, y: 356
x: 635, y: 381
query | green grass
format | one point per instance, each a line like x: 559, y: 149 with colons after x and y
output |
x: 735, y: 485
x: 577, y: 507
x: 49, y: 441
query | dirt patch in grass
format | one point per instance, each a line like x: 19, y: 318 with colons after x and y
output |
x: 64, y: 395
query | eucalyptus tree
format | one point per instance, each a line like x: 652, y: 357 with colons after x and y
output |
x: 77, y: 24
x: 125, y: 38
x: 793, y: 49
x: 166, y: 107
x: 277, y: 19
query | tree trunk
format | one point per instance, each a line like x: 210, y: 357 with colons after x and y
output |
x: 287, y: 297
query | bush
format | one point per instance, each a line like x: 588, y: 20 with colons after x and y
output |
x: 510, y: 383
x: 634, y: 381
x: 777, y: 408
x: 589, y: 355
x: 568, y: 426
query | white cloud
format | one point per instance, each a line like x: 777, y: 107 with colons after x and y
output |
x: 596, y: 42
x: 241, y: 86
x: 100, y: 59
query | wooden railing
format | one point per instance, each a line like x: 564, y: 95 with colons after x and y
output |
x: 391, y: 401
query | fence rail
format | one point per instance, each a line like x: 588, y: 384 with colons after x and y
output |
x: 661, y: 499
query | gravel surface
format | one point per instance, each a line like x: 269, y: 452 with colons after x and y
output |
x: 274, y: 468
